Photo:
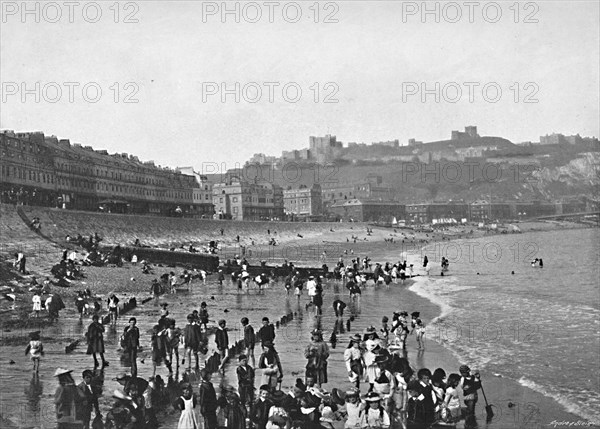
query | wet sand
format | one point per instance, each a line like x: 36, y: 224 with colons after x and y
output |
x: 28, y: 402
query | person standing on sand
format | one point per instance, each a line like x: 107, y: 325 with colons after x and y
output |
x: 36, y: 349
x: 317, y: 354
x: 90, y: 398
x: 113, y: 308
x: 37, y: 303
x: 470, y: 384
x: 222, y: 341
x: 95, y: 340
x: 131, y: 342
x: 67, y: 400
x: 267, y: 332
x: 207, y: 398
x: 187, y: 404
x: 192, y: 337
x: 353, y: 356
x: 245, y: 376
x: 249, y: 340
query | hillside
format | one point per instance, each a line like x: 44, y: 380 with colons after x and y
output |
x: 546, y: 176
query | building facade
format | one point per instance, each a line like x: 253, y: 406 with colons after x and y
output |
x: 202, y: 196
x: 43, y: 170
x: 371, y: 188
x: 303, y: 202
x: 357, y: 210
x: 237, y: 199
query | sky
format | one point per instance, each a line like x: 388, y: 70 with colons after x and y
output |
x: 158, y: 79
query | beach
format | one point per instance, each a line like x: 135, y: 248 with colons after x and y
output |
x: 515, y: 405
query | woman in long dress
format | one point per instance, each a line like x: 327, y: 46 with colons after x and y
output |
x: 187, y: 405
x: 95, y: 340
x: 354, y: 360
x: 371, y: 340
x: 317, y: 354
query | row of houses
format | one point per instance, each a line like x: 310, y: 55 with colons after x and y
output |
x: 43, y: 170
x: 452, y: 212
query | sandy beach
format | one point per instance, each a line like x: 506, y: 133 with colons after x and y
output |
x: 514, y: 404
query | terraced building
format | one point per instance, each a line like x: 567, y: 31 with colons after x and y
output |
x: 43, y: 170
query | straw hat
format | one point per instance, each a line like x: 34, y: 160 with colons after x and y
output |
x: 62, y: 371
x: 356, y: 338
x: 372, y: 397
x: 353, y: 391
x: 327, y: 415
x: 370, y: 331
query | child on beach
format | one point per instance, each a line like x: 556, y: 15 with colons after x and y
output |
x: 113, y: 308
x: 37, y: 304
x: 245, y: 376
x: 203, y: 314
x: 420, y: 332
x: 186, y: 403
x: 451, y: 405
x: 158, y: 350
x: 173, y: 335
x: 192, y: 337
x: 222, y: 341
x: 385, y: 331
x: 36, y: 349
x: 249, y: 340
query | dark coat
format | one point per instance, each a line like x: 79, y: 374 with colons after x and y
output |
x: 95, y: 338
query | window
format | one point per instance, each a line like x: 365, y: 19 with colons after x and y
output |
x: 234, y: 199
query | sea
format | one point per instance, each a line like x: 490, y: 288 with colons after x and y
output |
x: 537, y: 326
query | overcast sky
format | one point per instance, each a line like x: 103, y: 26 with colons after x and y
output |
x: 372, y: 61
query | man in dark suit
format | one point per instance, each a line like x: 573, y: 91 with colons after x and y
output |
x: 260, y: 412
x: 90, y: 398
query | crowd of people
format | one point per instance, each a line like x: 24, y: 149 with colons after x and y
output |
x: 384, y: 390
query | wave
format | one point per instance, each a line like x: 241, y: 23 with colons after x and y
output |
x: 583, y: 409
x: 420, y: 288
x: 434, y: 291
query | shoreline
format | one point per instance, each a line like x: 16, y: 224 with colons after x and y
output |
x: 537, y: 401
x: 502, y: 391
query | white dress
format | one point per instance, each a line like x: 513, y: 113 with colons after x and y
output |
x: 188, y: 418
x: 37, y: 303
